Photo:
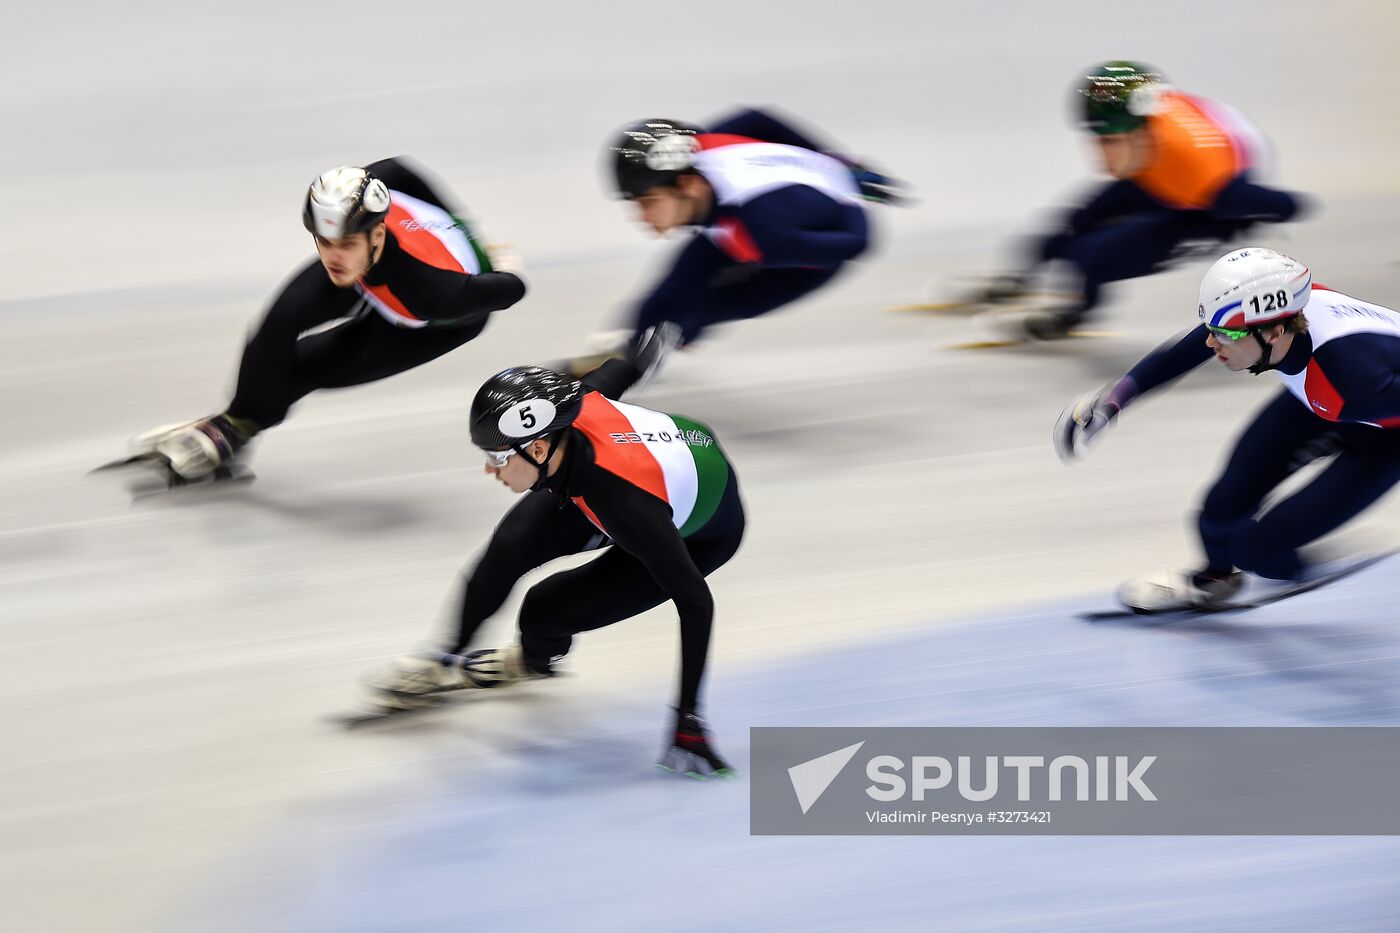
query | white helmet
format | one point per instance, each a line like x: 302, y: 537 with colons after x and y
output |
x: 1252, y: 287
x: 344, y: 201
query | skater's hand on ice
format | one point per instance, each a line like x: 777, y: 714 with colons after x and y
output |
x: 1082, y: 421
x: 689, y: 750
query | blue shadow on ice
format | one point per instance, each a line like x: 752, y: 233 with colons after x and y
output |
x: 567, y: 827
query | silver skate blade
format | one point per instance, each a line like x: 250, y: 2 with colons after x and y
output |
x: 175, y: 487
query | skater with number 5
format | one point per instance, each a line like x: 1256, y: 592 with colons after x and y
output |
x: 653, y: 491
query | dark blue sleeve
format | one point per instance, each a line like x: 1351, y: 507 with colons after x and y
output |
x: 691, y: 274
x: 1171, y: 360
x: 759, y: 125
x: 797, y: 226
x: 1365, y: 371
x: 705, y: 287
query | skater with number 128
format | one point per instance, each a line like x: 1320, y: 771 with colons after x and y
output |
x: 1339, y: 360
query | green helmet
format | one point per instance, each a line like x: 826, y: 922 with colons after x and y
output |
x: 1118, y: 96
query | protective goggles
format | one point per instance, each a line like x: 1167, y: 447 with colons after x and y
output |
x: 497, y: 459
x: 1227, y: 333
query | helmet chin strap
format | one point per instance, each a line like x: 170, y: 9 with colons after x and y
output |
x: 1263, y: 365
x: 541, y: 466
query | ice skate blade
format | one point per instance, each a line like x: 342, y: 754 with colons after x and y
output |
x: 1005, y: 342
x: 1162, y: 616
x: 374, y: 717
x: 967, y: 307
x: 149, y: 460
x: 160, y: 479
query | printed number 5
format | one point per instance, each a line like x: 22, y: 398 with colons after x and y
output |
x: 527, y: 420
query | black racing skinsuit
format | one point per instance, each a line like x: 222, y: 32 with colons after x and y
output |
x: 647, y: 563
x: 281, y: 366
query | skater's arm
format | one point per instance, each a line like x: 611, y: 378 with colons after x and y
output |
x: 641, y: 525
x: 455, y: 298
x: 1365, y: 371
x: 612, y: 379
x: 799, y: 226
x: 1171, y: 360
x: 696, y: 266
x: 442, y: 296
x: 266, y: 372
x: 458, y: 295
x: 1086, y: 417
x: 756, y: 124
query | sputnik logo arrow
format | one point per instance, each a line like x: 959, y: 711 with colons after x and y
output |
x: 811, y: 778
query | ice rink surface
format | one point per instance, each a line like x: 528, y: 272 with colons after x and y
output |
x: 916, y: 555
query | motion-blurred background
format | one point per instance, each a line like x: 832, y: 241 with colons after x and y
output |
x: 169, y: 667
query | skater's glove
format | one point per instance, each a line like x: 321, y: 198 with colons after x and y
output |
x: 874, y: 186
x: 1082, y: 421
x: 653, y: 347
x: 689, y: 750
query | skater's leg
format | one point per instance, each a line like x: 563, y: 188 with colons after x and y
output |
x: 370, y: 349
x: 1128, y: 249
x: 762, y: 291
x: 533, y: 533
x: 706, y: 287
x: 1263, y: 457
x: 611, y: 587
x: 1111, y: 202
x: 1352, y: 483
x: 267, y: 374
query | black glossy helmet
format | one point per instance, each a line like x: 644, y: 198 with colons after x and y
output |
x: 521, y: 404
x: 1118, y: 96
x: 651, y: 154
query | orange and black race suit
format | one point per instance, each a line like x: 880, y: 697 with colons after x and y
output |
x: 427, y: 295
x: 1196, y: 186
